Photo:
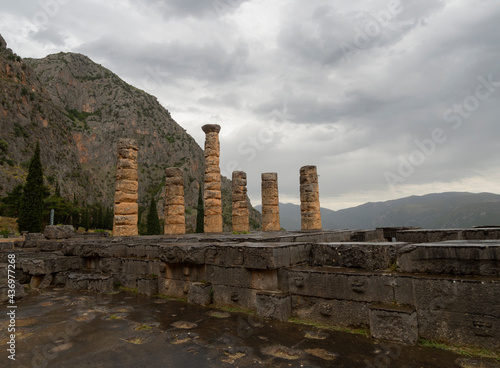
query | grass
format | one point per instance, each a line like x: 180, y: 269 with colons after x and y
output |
x: 166, y: 297
x: 462, y: 350
x: 130, y: 290
x: 355, y: 331
x: 143, y: 327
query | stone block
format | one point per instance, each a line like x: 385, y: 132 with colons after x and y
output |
x: 147, y: 286
x: 126, y: 186
x: 394, y: 323
x: 173, y: 288
x: 331, y: 312
x: 185, y: 272
x: 200, y: 294
x: 232, y: 296
x: 264, y: 280
x: 183, y: 253
x: 126, y: 209
x: 276, y: 305
x: 344, y: 284
x: 368, y: 256
x: 59, y: 231
x: 457, y: 295
x: 229, y: 276
x: 266, y: 256
x: 466, y: 329
x: 455, y: 257
x: 227, y: 255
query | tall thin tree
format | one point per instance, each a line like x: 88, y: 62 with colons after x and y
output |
x: 200, y: 215
x: 153, y: 222
x: 31, y: 208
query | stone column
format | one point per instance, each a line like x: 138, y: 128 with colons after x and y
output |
x: 126, y: 211
x: 270, y: 202
x: 175, y: 220
x: 212, y: 189
x: 310, y: 214
x: 240, y: 204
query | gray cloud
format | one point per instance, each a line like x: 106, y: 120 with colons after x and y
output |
x: 282, y: 81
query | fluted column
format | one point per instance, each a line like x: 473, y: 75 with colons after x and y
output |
x: 270, y: 202
x: 212, y: 189
x: 126, y: 209
x: 240, y: 203
x: 175, y: 219
x: 309, y: 199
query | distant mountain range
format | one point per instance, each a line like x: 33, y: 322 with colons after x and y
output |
x: 432, y: 211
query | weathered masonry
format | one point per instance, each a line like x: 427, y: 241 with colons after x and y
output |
x: 127, y: 183
x: 445, y: 291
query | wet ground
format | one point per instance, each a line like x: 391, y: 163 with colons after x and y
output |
x: 55, y: 328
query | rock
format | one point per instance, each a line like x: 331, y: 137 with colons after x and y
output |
x: 394, y: 323
x: 59, y: 232
x: 3, y: 43
x: 200, y: 294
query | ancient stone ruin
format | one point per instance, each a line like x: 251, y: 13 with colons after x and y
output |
x: 212, y: 189
x: 382, y: 280
x: 240, y: 203
x: 309, y: 199
x: 126, y: 209
x: 270, y: 202
x: 175, y: 220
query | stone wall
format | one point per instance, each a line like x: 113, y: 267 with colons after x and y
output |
x: 448, y: 292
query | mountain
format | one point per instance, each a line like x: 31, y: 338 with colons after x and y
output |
x: 78, y: 109
x: 432, y: 211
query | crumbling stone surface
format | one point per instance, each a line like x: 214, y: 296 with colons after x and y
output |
x: 441, y: 235
x: 345, y: 313
x: 92, y: 282
x: 240, y: 203
x: 200, y: 294
x: 309, y: 199
x: 276, y: 305
x: 147, y: 286
x: 453, y: 257
x: 270, y: 202
x: 394, y: 323
x: 126, y: 211
x: 59, y: 231
x: 368, y: 256
x: 175, y: 220
x: 212, y: 189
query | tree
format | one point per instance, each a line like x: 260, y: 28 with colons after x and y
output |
x: 31, y: 208
x: 12, y: 202
x: 153, y: 222
x: 200, y: 216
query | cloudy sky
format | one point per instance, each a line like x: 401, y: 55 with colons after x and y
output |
x: 387, y: 98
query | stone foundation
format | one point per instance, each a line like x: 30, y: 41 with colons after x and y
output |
x: 373, y: 285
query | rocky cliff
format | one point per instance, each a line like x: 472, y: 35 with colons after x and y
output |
x: 78, y: 110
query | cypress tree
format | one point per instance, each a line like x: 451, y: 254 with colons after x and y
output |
x: 153, y: 222
x: 31, y: 208
x: 200, y: 215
